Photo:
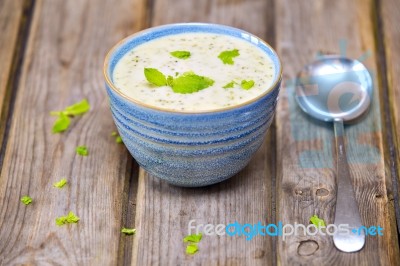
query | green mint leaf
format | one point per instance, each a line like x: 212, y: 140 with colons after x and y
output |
x: 63, y: 121
x: 191, y: 249
x: 229, y: 85
x: 68, y: 219
x: 82, y: 150
x: 195, y: 238
x: 60, y: 183
x: 155, y: 77
x: 190, y: 82
x: 247, y: 84
x: 317, y: 221
x: 181, y: 54
x: 72, y: 218
x: 227, y: 56
x: 170, y: 81
x: 118, y: 138
x: 128, y: 231
x: 60, y: 221
x: 61, y: 124
x: 56, y: 113
x: 26, y: 200
x: 78, y: 108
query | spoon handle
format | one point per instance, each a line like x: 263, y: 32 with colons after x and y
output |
x: 347, y: 212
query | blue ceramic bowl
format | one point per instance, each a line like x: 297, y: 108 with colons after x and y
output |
x: 191, y: 149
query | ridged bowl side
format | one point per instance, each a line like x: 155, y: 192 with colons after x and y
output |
x: 193, y: 149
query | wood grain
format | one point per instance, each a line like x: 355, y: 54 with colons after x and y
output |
x: 306, y: 171
x: 10, y: 21
x: 389, y: 13
x: 62, y: 65
x: 164, y: 211
x: 391, y: 30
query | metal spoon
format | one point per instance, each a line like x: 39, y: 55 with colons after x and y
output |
x: 337, y: 89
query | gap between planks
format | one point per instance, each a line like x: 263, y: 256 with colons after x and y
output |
x: 14, y: 72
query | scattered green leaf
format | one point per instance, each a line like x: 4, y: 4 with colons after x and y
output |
x: 68, y: 219
x: 56, y: 113
x: 195, y: 238
x: 155, y: 77
x: 26, y: 200
x: 128, y: 231
x: 61, y: 124
x: 118, y: 138
x: 227, y: 56
x: 247, y: 84
x: 317, y: 221
x: 229, y: 85
x: 82, y: 150
x: 60, y: 183
x: 191, y: 249
x: 181, y: 54
x: 63, y: 121
x: 189, y: 82
x: 78, y: 108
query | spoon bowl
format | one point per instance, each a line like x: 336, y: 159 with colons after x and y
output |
x: 334, y: 87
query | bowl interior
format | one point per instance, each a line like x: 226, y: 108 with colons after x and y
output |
x: 129, y: 43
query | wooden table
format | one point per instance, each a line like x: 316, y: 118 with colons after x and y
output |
x: 51, y: 54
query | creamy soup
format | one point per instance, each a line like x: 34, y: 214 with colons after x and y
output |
x: 241, y: 73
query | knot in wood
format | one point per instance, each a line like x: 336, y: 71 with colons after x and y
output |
x: 307, y: 248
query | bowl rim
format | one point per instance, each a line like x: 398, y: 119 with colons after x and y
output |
x: 114, y: 48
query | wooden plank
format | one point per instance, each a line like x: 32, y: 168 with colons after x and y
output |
x: 306, y: 171
x: 62, y: 65
x: 389, y: 13
x: 10, y: 22
x: 164, y: 211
